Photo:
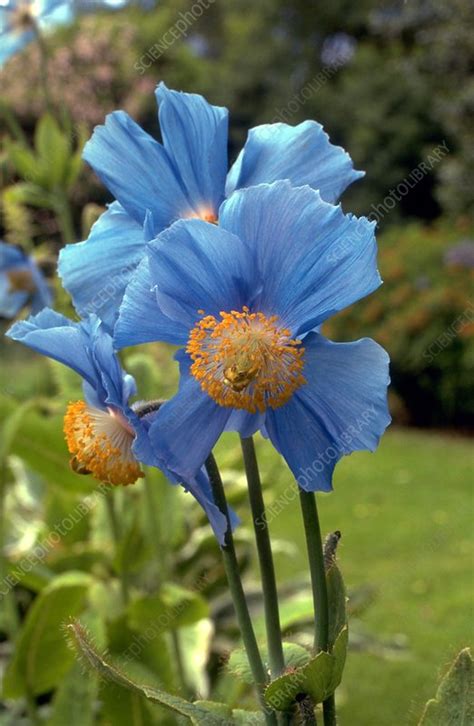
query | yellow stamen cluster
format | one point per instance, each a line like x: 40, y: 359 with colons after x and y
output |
x: 246, y: 360
x: 101, y: 444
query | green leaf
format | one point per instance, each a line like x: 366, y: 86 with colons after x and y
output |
x: 453, y: 704
x: 248, y: 718
x: 75, y: 698
x: 10, y: 427
x: 336, y: 602
x: 33, y: 194
x: 24, y: 160
x: 41, y: 657
x: 221, y: 709
x: 295, y: 656
x: 319, y: 678
x: 121, y: 707
x: 197, y: 714
x: 53, y: 149
x: 174, y: 606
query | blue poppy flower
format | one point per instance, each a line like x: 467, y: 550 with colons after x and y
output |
x: 21, y: 282
x: 106, y: 435
x: 21, y: 19
x: 245, y: 299
x: 184, y: 177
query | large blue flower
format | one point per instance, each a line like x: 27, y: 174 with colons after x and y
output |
x: 184, y: 177
x: 20, y: 21
x: 106, y: 434
x: 245, y: 298
x: 21, y: 282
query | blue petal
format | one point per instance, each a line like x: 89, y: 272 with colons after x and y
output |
x: 140, y: 319
x: 11, y: 256
x: 137, y: 170
x: 12, y: 42
x: 314, y: 260
x: 201, y: 491
x: 53, y: 335
x: 246, y: 424
x: 199, y: 266
x: 55, y: 12
x: 195, y: 137
x: 118, y: 385
x: 342, y: 408
x: 186, y: 428
x: 303, y: 154
x: 96, y: 272
x: 198, y: 486
x: 86, y: 347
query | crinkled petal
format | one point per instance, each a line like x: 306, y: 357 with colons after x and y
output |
x: 199, y: 266
x: 186, y: 427
x: 137, y: 170
x: 96, y: 272
x: 84, y: 346
x: 195, y: 137
x: 303, y: 154
x: 140, y: 319
x: 342, y: 408
x: 55, y: 336
x: 314, y: 260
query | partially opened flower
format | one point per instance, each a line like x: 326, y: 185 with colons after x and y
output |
x: 20, y: 21
x: 107, y: 435
x: 184, y: 177
x: 244, y: 299
x: 21, y: 282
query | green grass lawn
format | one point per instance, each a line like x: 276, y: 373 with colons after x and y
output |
x: 406, y: 514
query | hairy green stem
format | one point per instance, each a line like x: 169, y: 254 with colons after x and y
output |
x: 316, y: 566
x: 319, y: 586
x: 264, y: 549
x: 231, y: 567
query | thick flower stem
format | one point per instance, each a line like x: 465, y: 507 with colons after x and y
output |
x: 316, y: 567
x: 329, y: 711
x: 231, y: 567
x: 319, y: 586
x: 267, y: 569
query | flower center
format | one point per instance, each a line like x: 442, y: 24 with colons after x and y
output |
x: 246, y: 360
x: 20, y: 279
x: 207, y: 214
x: 101, y: 444
x: 23, y: 17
